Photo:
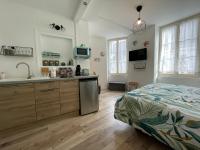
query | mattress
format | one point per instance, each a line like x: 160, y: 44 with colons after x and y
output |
x: 169, y: 113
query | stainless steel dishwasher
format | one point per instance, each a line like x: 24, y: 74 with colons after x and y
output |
x: 89, y: 96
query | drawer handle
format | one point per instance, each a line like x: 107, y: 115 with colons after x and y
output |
x: 47, y: 90
x: 47, y: 82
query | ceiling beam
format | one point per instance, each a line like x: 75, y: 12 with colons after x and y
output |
x: 82, y: 8
x: 115, y: 23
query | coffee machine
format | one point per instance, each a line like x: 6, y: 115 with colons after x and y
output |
x: 78, y: 70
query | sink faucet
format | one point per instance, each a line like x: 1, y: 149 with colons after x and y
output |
x: 23, y: 63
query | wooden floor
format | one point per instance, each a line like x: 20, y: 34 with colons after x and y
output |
x: 98, y: 131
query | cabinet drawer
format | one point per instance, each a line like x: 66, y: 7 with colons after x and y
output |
x: 15, y: 96
x: 68, y: 107
x: 67, y: 97
x: 17, y: 102
x: 24, y: 88
x: 8, y: 91
x: 47, y: 110
x: 17, y: 105
x: 69, y: 86
x: 47, y: 85
x: 45, y: 96
x: 70, y: 90
x: 17, y: 116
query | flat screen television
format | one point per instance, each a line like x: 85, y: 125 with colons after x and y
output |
x: 140, y: 54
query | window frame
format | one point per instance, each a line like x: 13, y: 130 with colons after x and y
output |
x: 117, y: 39
x: 177, y: 24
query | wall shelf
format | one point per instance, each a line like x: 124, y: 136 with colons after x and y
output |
x: 53, y: 47
x: 16, y: 51
x: 50, y: 55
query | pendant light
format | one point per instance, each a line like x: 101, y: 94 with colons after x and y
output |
x: 140, y: 24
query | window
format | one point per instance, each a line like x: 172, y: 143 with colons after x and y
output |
x: 117, y: 56
x: 179, y: 49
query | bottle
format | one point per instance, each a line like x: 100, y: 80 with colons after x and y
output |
x: 53, y: 72
x: 78, y: 70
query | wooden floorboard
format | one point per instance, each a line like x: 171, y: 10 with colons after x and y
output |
x: 97, y: 131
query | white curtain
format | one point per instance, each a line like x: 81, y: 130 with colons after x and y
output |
x: 188, y: 51
x: 113, y: 57
x: 179, y: 48
x: 168, y: 50
x: 122, y: 56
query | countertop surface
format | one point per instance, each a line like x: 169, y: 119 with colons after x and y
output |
x: 42, y: 79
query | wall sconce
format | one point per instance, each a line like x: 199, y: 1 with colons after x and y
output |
x: 146, y: 43
x: 102, y: 54
x: 57, y: 27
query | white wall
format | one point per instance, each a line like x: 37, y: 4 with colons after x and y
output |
x: 18, y: 26
x: 61, y: 45
x: 146, y: 76
x: 83, y: 37
x: 98, y: 45
x: 82, y: 33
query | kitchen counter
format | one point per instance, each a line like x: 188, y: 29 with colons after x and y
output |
x: 25, y: 101
x: 42, y: 79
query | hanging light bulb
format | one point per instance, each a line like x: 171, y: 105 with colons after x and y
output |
x: 139, y: 21
x: 140, y: 24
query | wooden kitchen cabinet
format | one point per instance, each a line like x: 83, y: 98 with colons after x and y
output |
x: 17, y: 105
x: 31, y: 102
x: 69, y: 96
x: 47, y: 110
x: 47, y: 99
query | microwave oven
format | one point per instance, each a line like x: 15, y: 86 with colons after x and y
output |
x: 81, y: 52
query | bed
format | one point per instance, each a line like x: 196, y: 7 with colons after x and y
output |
x: 169, y: 113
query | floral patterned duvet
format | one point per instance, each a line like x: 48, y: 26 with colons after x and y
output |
x: 167, y: 112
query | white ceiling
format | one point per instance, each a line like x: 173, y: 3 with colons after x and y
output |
x: 115, y: 18
x: 66, y: 8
